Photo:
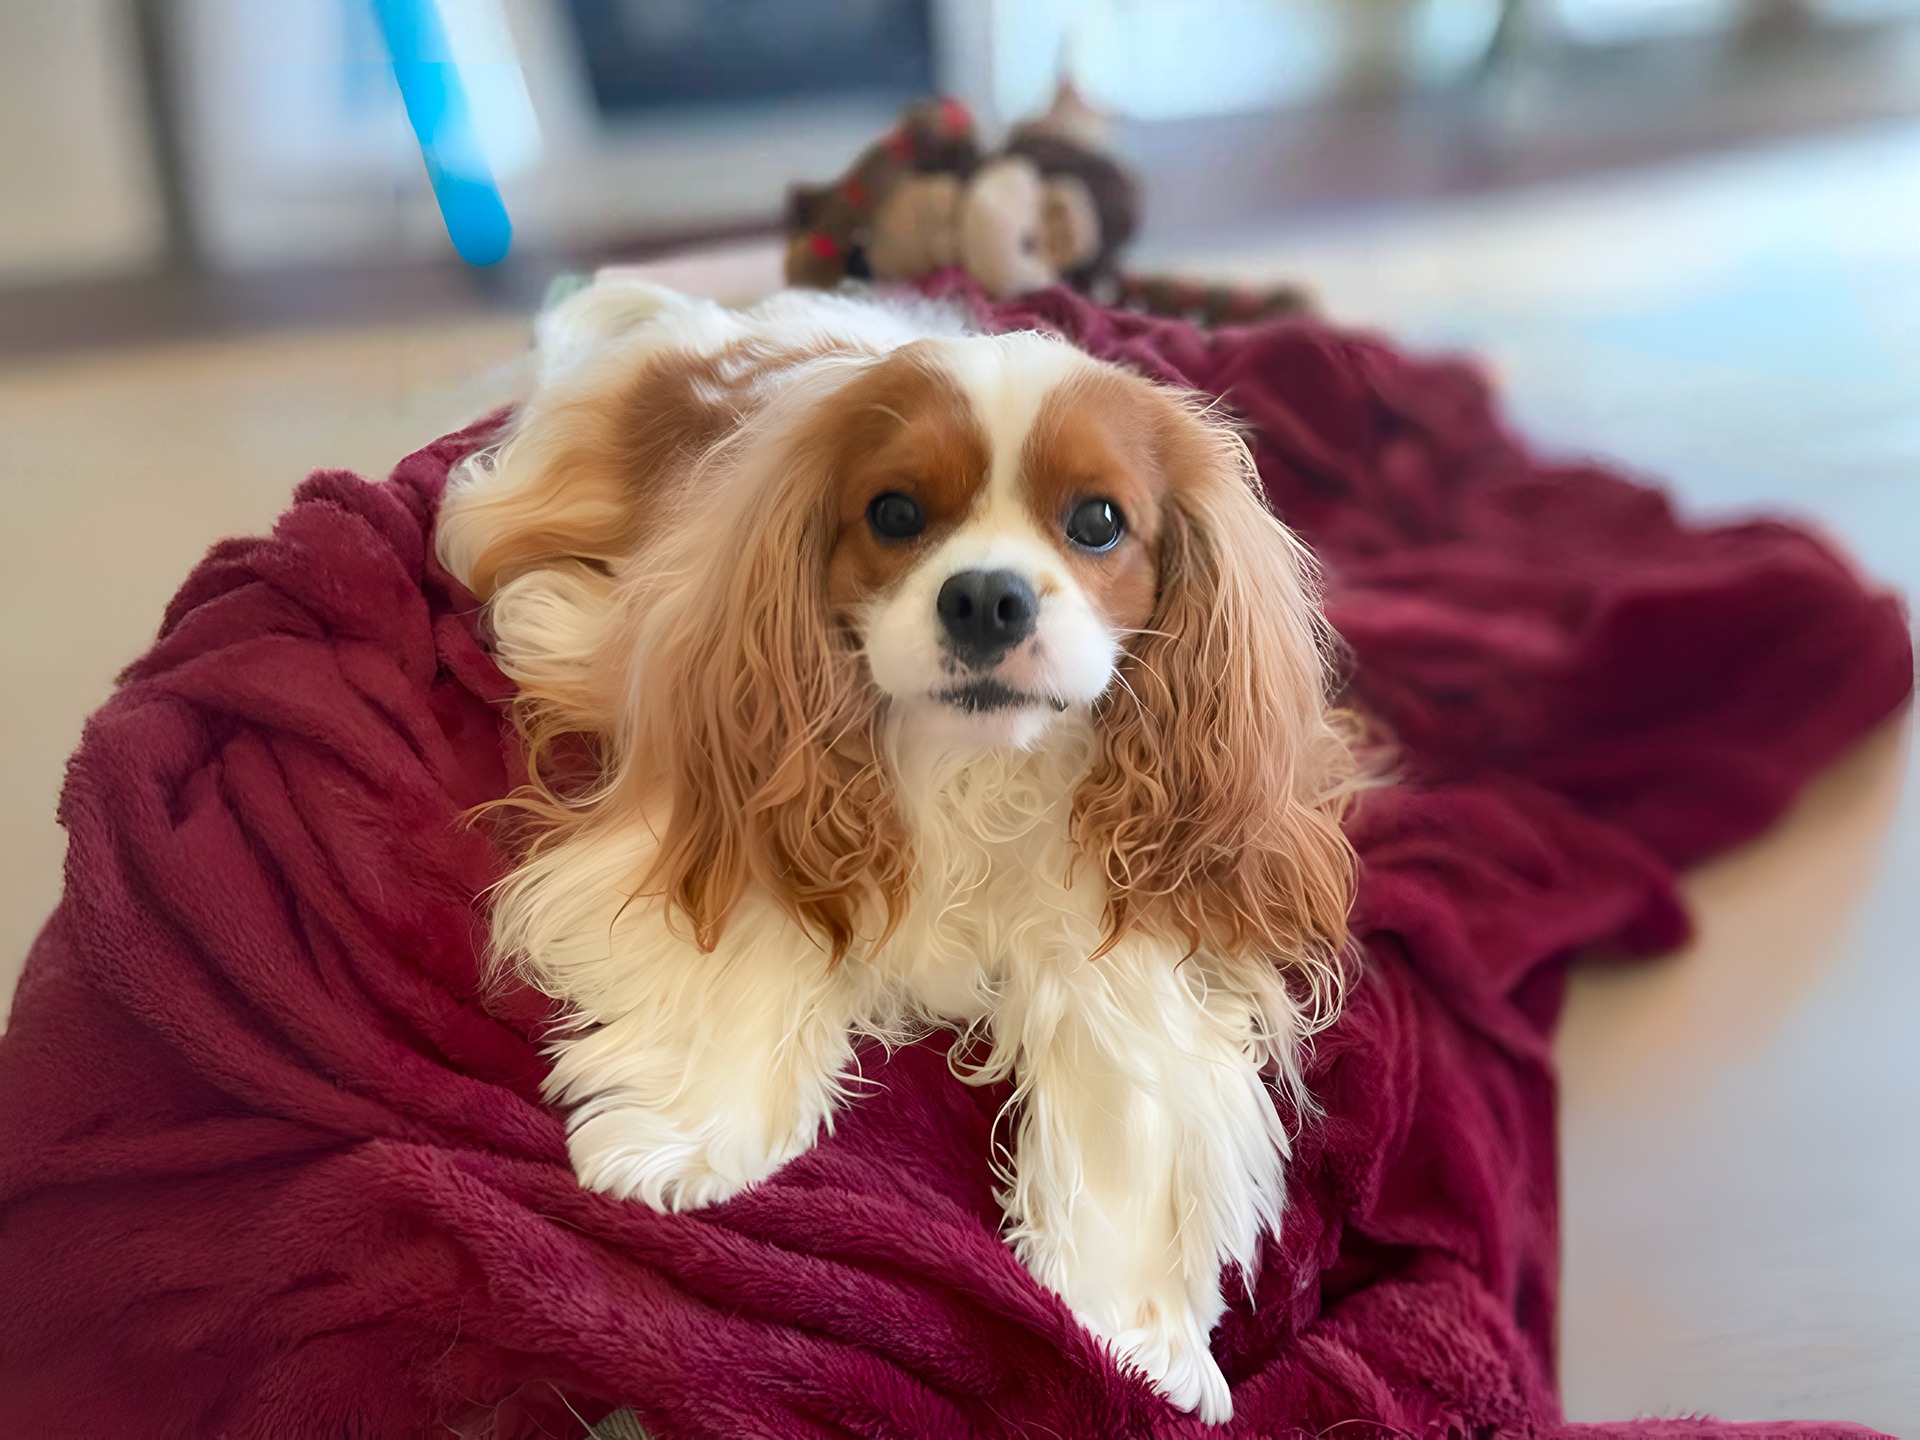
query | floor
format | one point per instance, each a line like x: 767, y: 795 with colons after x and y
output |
x: 1740, y: 1140
x: 1740, y: 1122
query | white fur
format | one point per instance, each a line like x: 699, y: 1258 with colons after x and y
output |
x: 1147, y: 1150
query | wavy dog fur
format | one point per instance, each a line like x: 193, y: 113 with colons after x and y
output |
x: 774, y: 806
x: 1214, y: 807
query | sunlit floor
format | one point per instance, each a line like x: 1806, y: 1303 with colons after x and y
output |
x: 1740, y: 1142
x: 1741, y: 1123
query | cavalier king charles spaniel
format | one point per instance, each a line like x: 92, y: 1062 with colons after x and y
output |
x: 880, y: 675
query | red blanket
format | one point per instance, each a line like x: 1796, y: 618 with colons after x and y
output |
x: 273, y: 1160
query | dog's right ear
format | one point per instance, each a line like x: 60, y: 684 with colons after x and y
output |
x: 619, y: 401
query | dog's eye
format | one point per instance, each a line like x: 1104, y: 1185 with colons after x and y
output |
x: 894, y: 516
x: 1096, y: 525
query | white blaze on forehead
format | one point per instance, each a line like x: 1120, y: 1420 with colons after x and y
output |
x: 1006, y: 379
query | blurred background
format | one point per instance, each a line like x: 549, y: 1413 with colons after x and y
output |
x: 1684, y: 233
x: 190, y: 166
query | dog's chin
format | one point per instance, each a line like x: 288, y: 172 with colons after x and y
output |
x: 983, y: 714
x: 988, y: 696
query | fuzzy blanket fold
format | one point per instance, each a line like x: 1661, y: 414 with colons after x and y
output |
x: 273, y: 1161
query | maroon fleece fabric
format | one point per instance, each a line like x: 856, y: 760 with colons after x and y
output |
x: 273, y: 1161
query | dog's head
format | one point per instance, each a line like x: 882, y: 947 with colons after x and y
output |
x: 968, y: 535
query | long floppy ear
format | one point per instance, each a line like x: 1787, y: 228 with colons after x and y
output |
x: 1214, y: 804
x: 761, y: 727
x: 539, y: 527
x: 619, y: 402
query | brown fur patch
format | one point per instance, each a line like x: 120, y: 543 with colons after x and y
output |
x: 1214, y: 807
x: 906, y: 426
x: 1099, y: 436
x: 610, y: 452
x: 769, y: 739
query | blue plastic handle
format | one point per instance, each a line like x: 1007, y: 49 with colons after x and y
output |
x: 442, y: 120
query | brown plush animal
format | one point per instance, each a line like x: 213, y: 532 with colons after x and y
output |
x: 1209, y: 304
x: 900, y: 189
x: 1052, y: 205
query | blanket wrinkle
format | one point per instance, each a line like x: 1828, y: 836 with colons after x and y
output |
x: 273, y: 1159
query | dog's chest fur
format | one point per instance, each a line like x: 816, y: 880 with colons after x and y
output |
x: 996, y: 887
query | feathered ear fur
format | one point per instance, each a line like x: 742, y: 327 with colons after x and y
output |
x: 636, y: 381
x: 682, y: 631
x: 580, y: 477
x: 1214, y: 805
x: 760, y: 724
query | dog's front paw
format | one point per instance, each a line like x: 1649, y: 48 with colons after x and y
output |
x: 638, y: 1154
x: 1172, y: 1352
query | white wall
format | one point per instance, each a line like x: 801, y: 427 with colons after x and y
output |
x: 76, y: 187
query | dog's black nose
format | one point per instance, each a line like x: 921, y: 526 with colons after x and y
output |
x: 986, y: 613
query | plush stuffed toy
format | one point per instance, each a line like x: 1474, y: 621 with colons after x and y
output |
x: 1052, y: 205
x: 888, y: 217
x: 1210, y: 304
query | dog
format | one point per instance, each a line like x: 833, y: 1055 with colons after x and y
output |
x: 881, y: 675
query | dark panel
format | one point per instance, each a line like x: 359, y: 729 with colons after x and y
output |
x: 655, y: 55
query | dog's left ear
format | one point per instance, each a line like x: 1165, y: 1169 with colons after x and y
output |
x: 1214, y: 805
